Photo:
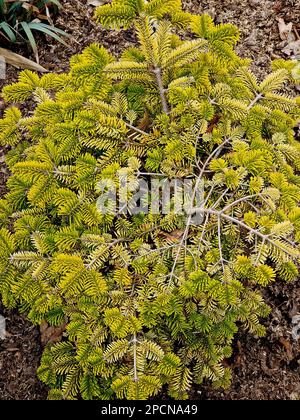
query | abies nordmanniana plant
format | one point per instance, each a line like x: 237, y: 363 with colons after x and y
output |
x: 151, y: 301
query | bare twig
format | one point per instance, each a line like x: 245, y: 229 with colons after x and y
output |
x: 260, y: 251
x: 240, y: 200
x: 190, y: 212
x: 212, y: 155
x: 255, y: 232
x: 158, y: 75
x: 255, y: 100
x: 220, y: 244
x: 134, y: 342
x: 136, y: 129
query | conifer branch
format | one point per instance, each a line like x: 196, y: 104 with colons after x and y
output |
x: 258, y: 97
x: 135, y: 374
x: 241, y: 200
x: 244, y: 226
x: 120, y: 277
x: 158, y: 74
x: 213, y: 155
x: 260, y: 252
x: 220, y: 199
x: 190, y: 211
x: 136, y: 129
x: 109, y: 246
x: 220, y: 244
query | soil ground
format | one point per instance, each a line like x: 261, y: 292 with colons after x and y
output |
x: 264, y: 369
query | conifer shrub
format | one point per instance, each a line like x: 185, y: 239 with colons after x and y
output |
x: 152, y: 302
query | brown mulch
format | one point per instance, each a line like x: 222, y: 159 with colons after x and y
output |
x: 20, y: 355
x: 264, y: 369
x: 258, y: 24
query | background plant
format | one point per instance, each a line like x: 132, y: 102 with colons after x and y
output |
x: 20, y: 20
x: 151, y: 302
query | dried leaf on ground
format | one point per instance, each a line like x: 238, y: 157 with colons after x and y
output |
x: 50, y: 334
x: 19, y: 61
x: 2, y: 328
x: 285, y: 30
x: 292, y: 49
x: 96, y: 2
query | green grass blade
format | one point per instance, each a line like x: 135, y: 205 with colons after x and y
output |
x: 49, y: 30
x: 31, y: 38
x: 52, y: 28
x: 2, y: 6
x: 8, y: 31
x: 56, y: 2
